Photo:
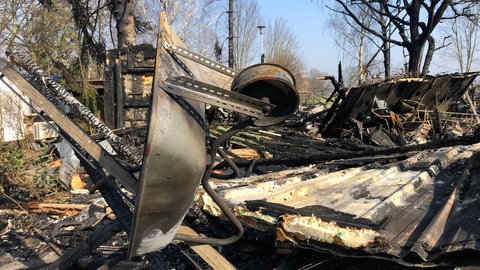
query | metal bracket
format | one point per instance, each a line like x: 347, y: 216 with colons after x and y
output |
x: 209, y: 94
x: 200, y: 59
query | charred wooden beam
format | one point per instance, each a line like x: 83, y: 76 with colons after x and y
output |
x: 319, y: 158
x: 206, y: 252
x: 99, y: 236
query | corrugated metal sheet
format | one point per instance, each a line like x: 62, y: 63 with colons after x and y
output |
x: 412, y: 211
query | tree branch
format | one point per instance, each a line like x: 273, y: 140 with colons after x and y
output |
x: 348, y: 12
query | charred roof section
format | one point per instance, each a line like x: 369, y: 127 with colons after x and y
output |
x: 401, y: 96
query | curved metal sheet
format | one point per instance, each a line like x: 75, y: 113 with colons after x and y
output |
x: 174, y: 163
x: 174, y: 160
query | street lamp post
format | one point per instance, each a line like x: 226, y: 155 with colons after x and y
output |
x: 262, y: 58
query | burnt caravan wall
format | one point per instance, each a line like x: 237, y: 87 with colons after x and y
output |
x: 128, y: 81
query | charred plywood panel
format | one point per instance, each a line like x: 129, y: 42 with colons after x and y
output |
x: 416, y: 206
x: 428, y: 92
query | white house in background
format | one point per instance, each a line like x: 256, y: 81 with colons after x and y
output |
x: 13, y: 113
x: 18, y: 119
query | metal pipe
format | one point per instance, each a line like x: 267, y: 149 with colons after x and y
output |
x: 228, y: 160
x: 216, y: 198
x: 262, y: 56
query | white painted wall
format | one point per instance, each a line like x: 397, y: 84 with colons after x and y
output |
x: 12, y: 115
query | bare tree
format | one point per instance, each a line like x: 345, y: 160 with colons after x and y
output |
x: 465, y: 40
x: 314, y: 82
x: 49, y: 34
x: 413, y: 21
x: 194, y: 21
x: 15, y: 19
x: 385, y: 47
x: 464, y: 34
x: 247, y: 19
x: 282, y: 47
x: 354, y: 41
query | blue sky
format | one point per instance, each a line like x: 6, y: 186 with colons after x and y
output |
x: 306, y: 18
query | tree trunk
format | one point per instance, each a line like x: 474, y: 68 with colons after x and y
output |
x: 124, y: 17
x: 230, y: 34
x: 386, y: 60
x: 361, y: 66
x: 415, y: 57
x: 417, y: 43
x: 386, y: 44
x: 428, y: 56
